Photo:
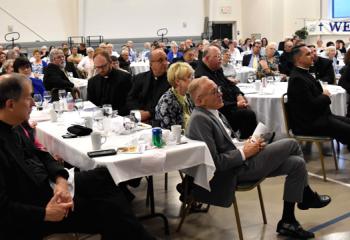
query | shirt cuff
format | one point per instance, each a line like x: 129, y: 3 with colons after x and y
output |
x: 242, y: 153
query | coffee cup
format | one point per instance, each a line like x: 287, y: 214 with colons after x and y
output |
x: 88, y: 121
x: 97, y: 140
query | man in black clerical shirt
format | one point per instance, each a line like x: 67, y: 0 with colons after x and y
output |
x: 109, y: 86
x: 286, y: 60
x: 308, y: 103
x: 322, y: 67
x: 149, y: 86
x: 30, y: 208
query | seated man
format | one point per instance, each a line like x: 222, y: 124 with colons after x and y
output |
x: 149, y: 86
x: 30, y: 208
x: 109, y: 85
x: 322, y: 67
x: 253, y: 162
x: 235, y: 108
x: 308, y: 103
x: 286, y: 60
x: 55, y: 74
x: 252, y: 60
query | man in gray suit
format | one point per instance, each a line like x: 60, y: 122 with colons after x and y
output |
x: 253, y: 162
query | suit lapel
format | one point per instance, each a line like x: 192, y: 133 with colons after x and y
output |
x: 219, y: 125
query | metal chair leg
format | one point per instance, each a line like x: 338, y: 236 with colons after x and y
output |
x: 322, y: 160
x: 184, y: 212
x: 261, y: 200
x: 166, y: 181
x: 334, y: 156
x: 238, y: 220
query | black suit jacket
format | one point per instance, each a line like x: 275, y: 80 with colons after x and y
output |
x: 54, y: 77
x: 247, y: 58
x: 344, y: 80
x: 112, y: 90
x: 146, y: 91
x: 286, y: 63
x: 323, y: 69
x: 22, y: 198
x: 307, y: 106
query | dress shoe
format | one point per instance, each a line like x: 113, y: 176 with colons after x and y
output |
x: 316, y: 201
x: 293, y: 230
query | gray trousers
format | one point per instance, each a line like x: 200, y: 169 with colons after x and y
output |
x: 283, y: 157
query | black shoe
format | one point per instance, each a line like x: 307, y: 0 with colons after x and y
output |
x: 293, y: 230
x: 317, y: 201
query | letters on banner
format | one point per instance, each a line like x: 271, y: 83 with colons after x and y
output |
x: 320, y: 27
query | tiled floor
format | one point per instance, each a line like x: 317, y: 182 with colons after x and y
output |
x: 219, y: 223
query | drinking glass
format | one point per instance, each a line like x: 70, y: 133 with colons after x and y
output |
x: 251, y: 78
x: 62, y: 94
x: 79, y: 104
x: 107, y: 110
x: 98, y: 118
x: 38, y: 99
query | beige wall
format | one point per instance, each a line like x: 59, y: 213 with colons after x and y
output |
x: 52, y: 19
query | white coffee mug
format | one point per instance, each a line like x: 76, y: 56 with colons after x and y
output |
x: 97, y: 140
x: 176, y: 130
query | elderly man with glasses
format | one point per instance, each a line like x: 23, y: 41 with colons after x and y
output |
x: 251, y: 163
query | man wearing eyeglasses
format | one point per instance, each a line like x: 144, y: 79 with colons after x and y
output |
x: 250, y: 163
x: 235, y: 108
x: 109, y: 85
x: 55, y: 75
x: 149, y: 86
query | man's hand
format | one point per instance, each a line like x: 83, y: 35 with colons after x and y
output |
x: 253, y: 146
x: 241, y: 102
x: 61, y: 189
x: 145, y: 115
x: 326, y: 92
x: 54, y: 211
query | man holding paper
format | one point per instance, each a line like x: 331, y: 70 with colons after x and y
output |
x: 254, y: 161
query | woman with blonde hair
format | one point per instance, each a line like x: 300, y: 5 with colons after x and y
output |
x: 174, y: 106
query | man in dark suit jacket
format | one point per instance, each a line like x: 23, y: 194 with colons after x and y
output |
x: 252, y: 60
x: 286, y: 60
x: 251, y: 163
x: 322, y: 67
x: 30, y: 208
x: 109, y: 86
x: 149, y: 86
x: 54, y: 74
x: 236, y: 108
x: 308, y: 103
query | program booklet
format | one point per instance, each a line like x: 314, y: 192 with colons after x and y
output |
x: 261, y: 131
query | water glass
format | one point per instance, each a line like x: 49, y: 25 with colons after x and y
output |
x: 47, y: 96
x: 62, y: 94
x: 38, y: 99
x: 79, y: 104
x: 98, y: 118
x: 107, y: 110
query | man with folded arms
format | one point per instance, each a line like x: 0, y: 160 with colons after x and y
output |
x: 253, y: 162
x: 30, y: 208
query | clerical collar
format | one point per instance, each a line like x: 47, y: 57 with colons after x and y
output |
x: 306, y: 69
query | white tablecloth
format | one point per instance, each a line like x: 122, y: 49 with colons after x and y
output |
x: 268, y: 107
x: 193, y: 157
x: 139, y: 67
x: 243, y: 72
x: 81, y: 84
